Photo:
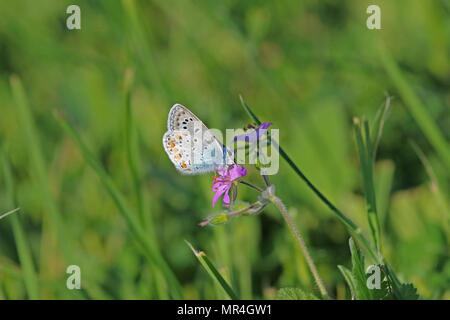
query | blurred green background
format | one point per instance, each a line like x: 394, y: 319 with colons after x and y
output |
x: 307, y: 66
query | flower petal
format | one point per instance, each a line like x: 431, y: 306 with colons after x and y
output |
x: 219, y: 192
x: 217, y: 185
x: 262, y: 129
x: 247, y: 137
x: 237, y: 171
x: 226, y: 197
x: 264, y: 125
x: 255, y: 134
x: 223, y: 172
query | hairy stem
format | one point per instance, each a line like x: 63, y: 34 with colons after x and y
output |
x: 301, y: 243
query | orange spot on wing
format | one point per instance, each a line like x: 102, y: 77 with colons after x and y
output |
x: 172, y: 144
x: 178, y: 156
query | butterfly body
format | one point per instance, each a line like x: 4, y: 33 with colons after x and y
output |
x: 191, y: 146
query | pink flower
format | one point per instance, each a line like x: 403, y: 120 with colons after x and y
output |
x: 254, y: 135
x: 222, y: 184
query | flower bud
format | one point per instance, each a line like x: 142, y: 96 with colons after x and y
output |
x: 220, y: 218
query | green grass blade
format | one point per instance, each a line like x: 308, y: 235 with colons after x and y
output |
x: 130, y: 216
x: 130, y: 145
x: 134, y: 167
x: 212, y: 271
x: 347, y: 274
x: 37, y: 162
x: 22, y: 245
x: 415, y: 106
x: 383, y: 187
x: 223, y: 253
x: 141, y: 39
x: 362, y: 292
x: 378, y: 126
x: 365, y: 155
x: 434, y: 185
x: 249, y: 111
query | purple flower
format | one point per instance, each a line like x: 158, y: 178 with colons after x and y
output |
x: 255, y: 134
x: 222, y: 184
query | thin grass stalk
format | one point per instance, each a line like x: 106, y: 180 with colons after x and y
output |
x: 365, y: 156
x: 22, y: 245
x: 415, y: 106
x: 301, y: 243
x: 137, y: 230
x: 213, y: 272
x: 57, y: 233
x: 133, y: 165
x: 130, y: 145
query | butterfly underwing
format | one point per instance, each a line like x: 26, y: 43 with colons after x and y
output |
x: 191, y: 146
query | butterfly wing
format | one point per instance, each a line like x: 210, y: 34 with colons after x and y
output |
x: 191, y: 146
x: 176, y: 146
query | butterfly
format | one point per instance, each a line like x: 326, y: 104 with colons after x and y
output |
x: 191, y: 146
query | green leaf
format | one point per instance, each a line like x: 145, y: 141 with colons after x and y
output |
x: 348, y: 276
x: 407, y: 291
x: 294, y: 294
x: 378, y: 294
x: 359, y: 274
x: 383, y: 293
x: 401, y: 291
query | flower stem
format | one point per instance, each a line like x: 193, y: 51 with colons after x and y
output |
x: 357, y: 232
x: 266, y: 180
x: 236, y: 213
x: 251, y: 185
x: 301, y: 243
